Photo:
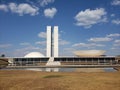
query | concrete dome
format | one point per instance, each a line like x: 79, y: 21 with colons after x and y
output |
x: 34, y: 54
x: 89, y: 53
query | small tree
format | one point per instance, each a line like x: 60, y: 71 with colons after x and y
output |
x: 3, y: 55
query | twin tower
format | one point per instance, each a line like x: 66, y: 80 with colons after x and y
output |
x: 52, y: 41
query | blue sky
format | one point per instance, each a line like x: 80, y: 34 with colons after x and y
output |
x: 83, y: 25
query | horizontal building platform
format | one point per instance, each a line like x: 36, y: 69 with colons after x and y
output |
x: 65, y: 66
x: 65, y: 61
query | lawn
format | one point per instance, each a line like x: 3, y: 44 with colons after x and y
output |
x: 34, y: 80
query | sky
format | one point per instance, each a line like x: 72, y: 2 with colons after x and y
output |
x: 83, y: 25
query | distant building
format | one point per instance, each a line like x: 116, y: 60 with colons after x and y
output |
x: 83, y: 57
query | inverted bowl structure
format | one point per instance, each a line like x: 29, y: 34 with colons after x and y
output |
x: 89, y: 53
x: 34, y: 54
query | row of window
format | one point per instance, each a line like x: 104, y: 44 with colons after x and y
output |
x: 84, y: 59
x: 31, y: 59
x: 62, y: 59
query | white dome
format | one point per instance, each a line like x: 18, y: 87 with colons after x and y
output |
x: 89, y: 53
x: 34, y: 54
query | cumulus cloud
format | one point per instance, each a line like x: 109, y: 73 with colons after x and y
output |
x: 42, y: 35
x: 117, y: 21
x: 107, y: 38
x: 113, y: 35
x: 46, y: 2
x: 89, y: 17
x: 115, y: 2
x: 50, y: 12
x: 100, y: 39
x: 20, y: 9
x: 23, y: 8
x: 40, y: 3
x: 4, y: 7
x: 88, y: 45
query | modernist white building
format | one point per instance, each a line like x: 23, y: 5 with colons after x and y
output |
x: 52, y: 41
x: 91, y: 57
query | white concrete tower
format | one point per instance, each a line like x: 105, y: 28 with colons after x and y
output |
x: 49, y: 41
x: 55, y: 41
x: 52, y: 41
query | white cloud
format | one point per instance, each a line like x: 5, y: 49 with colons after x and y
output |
x: 23, y: 8
x: 107, y: 38
x: 117, y: 43
x: 117, y: 21
x: 3, y: 7
x: 40, y: 3
x: 5, y: 45
x: 89, y: 17
x: 42, y: 35
x: 20, y: 9
x: 46, y: 2
x: 113, y: 35
x: 50, y: 12
x: 88, y: 45
x: 25, y: 44
x: 41, y: 42
x: 63, y: 42
x: 115, y: 2
x: 101, y: 39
